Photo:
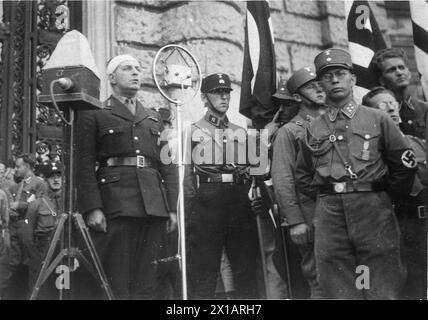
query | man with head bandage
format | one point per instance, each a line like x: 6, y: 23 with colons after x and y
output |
x: 129, y: 203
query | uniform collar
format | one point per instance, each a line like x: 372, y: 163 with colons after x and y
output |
x: 408, y: 102
x: 216, y: 121
x: 54, y: 195
x: 349, y: 110
x: 305, y: 117
x: 125, y: 100
x: 119, y: 109
x: 28, y: 179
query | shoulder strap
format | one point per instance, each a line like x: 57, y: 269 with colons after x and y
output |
x: 347, y: 165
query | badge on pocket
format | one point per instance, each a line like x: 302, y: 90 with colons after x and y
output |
x: 365, y: 154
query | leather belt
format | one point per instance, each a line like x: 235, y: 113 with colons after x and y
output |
x: 409, y: 209
x: 220, y: 178
x: 138, y: 161
x: 422, y: 212
x: 349, y: 187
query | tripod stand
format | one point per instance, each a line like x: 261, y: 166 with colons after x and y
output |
x: 65, y: 226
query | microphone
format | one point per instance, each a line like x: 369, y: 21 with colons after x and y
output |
x: 65, y: 83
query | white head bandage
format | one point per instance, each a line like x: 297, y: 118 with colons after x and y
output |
x: 116, y: 61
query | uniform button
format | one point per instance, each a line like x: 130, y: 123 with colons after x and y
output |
x: 111, y: 131
x: 137, y: 151
x: 367, y: 136
x: 135, y: 138
x: 410, y: 122
x: 103, y: 180
x: 339, y: 137
x: 346, y: 127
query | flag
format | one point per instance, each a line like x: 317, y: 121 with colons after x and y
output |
x: 419, y: 15
x: 365, y: 39
x: 259, y: 67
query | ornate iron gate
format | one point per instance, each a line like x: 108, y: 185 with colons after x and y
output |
x: 28, y: 36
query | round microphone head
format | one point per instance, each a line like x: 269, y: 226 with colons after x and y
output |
x: 65, y: 83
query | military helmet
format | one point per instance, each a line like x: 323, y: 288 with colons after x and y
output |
x: 300, y: 78
x: 282, y: 91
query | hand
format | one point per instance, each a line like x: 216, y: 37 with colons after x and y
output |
x: 301, y: 234
x: 257, y: 206
x: 273, y: 126
x: 96, y: 220
x: 172, y: 222
x: 14, y: 205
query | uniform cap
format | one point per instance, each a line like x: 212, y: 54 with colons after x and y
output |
x: 300, y: 78
x: 282, y: 92
x: 215, y: 81
x: 53, y: 167
x: 333, y: 57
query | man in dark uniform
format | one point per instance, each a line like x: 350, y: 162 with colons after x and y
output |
x: 412, y: 211
x: 130, y: 201
x: 354, y: 160
x: 26, y: 191
x: 221, y: 216
x: 297, y: 210
x: 41, y: 221
x: 394, y: 74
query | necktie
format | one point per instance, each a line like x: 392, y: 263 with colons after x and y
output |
x: 130, y: 105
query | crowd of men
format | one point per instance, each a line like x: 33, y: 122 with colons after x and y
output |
x: 341, y: 202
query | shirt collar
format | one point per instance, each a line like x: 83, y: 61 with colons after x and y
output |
x: 349, y: 110
x: 216, y: 121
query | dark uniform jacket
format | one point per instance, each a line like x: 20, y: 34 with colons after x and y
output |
x: 25, y: 192
x: 123, y: 190
x: 370, y: 141
x: 296, y: 208
x: 414, y: 115
x: 43, y: 213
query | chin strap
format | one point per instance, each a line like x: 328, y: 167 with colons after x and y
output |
x: 210, y: 105
x: 313, y: 103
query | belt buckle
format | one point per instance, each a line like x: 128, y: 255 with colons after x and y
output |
x: 227, y: 177
x: 339, y: 187
x: 141, y: 161
x: 422, y: 212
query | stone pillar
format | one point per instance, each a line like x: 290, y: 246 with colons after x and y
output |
x: 98, y: 28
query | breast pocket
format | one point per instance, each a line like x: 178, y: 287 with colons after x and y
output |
x: 47, y: 219
x: 320, y: 151
x: 111, y: 137
x: 365, y: 145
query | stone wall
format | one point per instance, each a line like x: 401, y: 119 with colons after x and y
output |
x: 214, y: 33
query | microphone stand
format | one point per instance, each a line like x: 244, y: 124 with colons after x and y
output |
x: 180, y: 210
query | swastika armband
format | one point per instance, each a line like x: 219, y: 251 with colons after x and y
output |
x: 408, y: 158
